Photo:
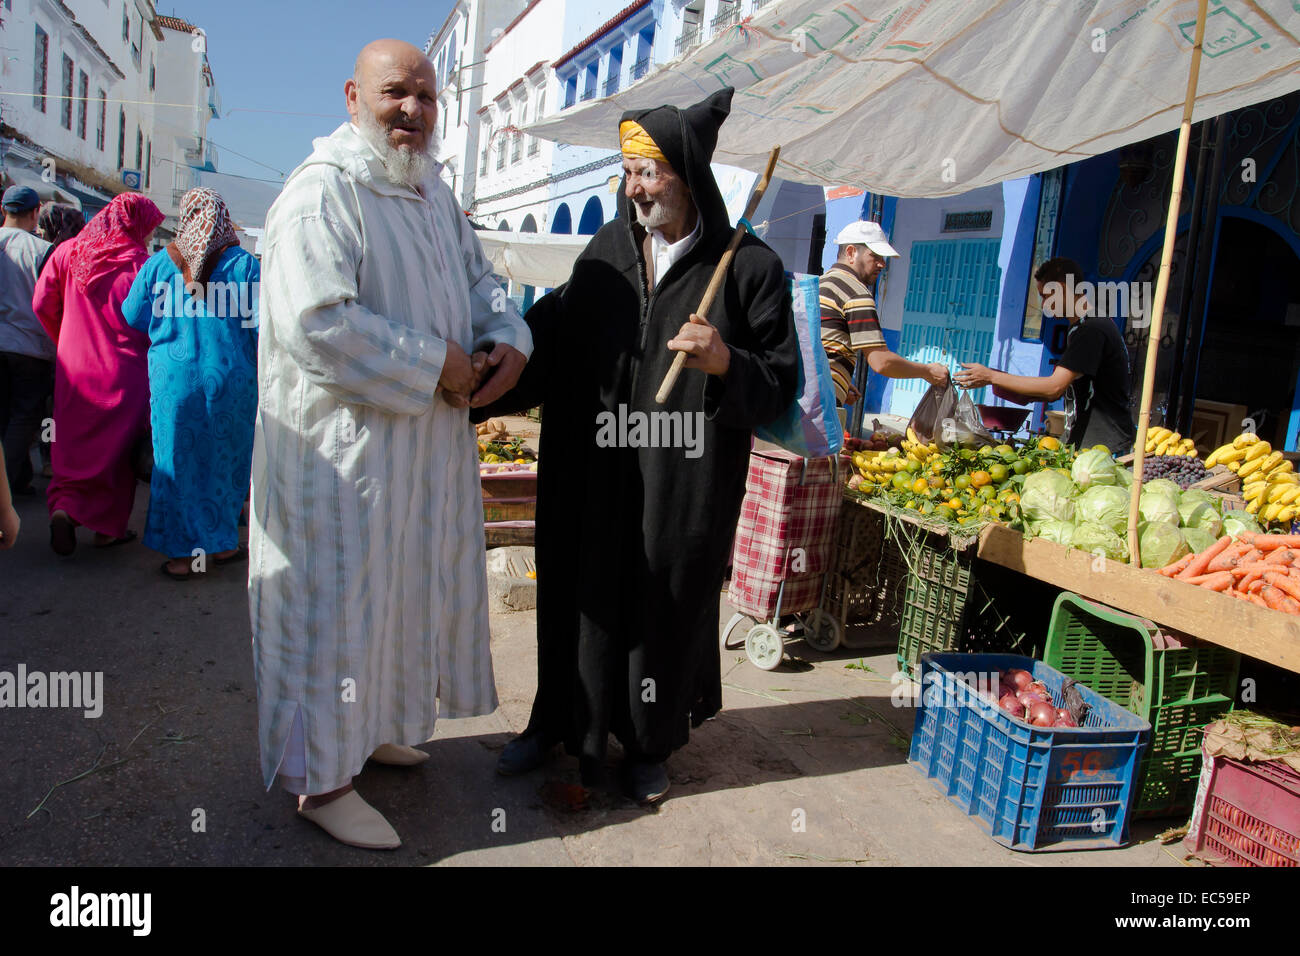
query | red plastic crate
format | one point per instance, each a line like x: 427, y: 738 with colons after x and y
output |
x: 1247, y: 814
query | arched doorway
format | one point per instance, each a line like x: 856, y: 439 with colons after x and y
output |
x: 562, y: 221
x: 503, y: 226
x: 593, y: 217
x: 528, y: 225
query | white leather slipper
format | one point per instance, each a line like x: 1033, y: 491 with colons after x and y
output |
x: 397, y: 755
x: 351, y: 820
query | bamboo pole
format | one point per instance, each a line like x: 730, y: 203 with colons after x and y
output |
x: 719, y: 274
x: 1162, y: 287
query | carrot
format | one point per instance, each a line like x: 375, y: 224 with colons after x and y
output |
x: 1283, y: 582
x: 1218, y: 581
x: 1254, y: 554
x: 1249, y: 578
x: 1256, y: 585
x: 1271, y: 542
x: 1170, y: 570
x: 1280, y: 601
x: 1256, y: 599
x: 1281, y: 556
x: 1242, y: 570
x: 1202, y: 560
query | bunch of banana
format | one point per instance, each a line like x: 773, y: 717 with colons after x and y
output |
x: 918, y: 450
x: 1251, y: 457
x: 879, y: 466
x: 1161, y: 441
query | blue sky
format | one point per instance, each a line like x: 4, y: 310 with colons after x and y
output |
x: 290, y: 57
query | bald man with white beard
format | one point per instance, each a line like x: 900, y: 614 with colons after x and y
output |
x: 379, y: 325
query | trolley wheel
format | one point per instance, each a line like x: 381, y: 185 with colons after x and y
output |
x: 764, y: 647
x: 822, y: 631
x: 733, y: 633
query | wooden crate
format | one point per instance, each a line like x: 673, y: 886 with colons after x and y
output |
x: 1255, y: 631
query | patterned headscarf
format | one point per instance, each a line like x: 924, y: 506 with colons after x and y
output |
x: 114, y: 239
x: 205, y: 232
x: 59, y: 223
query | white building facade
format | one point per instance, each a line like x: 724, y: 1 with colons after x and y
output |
x: 97, y: 97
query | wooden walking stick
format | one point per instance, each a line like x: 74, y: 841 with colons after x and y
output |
x: 719, y: 274
x: 1162, y: 288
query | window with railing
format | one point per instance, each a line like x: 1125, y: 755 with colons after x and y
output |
x: 148, y: 162
x: 640, y: 68
x: 728, y: 13
x: 690, y: 36
x: 121, y: 139
x: 756, y: 5
x: 41, y: 64
x: 68, y: 75
x: 501, y: 146
x: 570, y: 91
x: 516, y: 146
x: 139, y: 148
x: 611, y: 85
x: 533, y: 147
x: 483, y: 160
x: 589, y: 83
x: 83, y: 94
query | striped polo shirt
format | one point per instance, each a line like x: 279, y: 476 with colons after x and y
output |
x: 849, y: 323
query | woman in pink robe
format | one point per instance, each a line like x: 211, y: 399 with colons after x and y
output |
x: 101, y: 372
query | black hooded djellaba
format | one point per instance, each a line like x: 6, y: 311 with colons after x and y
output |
x: 632, y: 543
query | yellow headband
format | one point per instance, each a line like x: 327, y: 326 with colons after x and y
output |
x: 633, y: 140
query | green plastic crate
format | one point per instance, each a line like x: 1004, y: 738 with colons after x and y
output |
x: 939, y: 586
x: 1177, y: 690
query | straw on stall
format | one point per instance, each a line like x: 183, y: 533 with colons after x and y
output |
x: 1162, y: 287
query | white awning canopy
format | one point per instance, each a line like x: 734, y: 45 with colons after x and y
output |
x: 22, y: 175
x: 931, y: 98
x: 532, y: 258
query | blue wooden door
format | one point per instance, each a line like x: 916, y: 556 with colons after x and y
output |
x: 949, y: 312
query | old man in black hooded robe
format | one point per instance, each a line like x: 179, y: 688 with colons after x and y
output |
x: 633, y: 539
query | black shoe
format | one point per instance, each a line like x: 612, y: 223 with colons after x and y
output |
x: 645, y: 782
x: 526, y: 752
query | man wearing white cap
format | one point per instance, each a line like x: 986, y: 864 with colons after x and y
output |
x: 849, y: 320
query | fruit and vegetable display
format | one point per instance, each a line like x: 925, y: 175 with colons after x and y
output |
x: 1089, y: 510
x: 957, y: 486
x: 1162, y: 442
x: 1270, y: 484
x: 1261, y: 568
x: 496, y: 446
x: 1184, y: 471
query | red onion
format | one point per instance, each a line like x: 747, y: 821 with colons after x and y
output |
x: 1019, y: 679
x: 1029, y: 698
x: 1041, y: 714
x: 1063, y: 719
x: 1039, y: 688
x: 1012, y: 706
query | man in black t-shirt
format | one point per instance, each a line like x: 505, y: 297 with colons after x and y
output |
x: 1091, y: 374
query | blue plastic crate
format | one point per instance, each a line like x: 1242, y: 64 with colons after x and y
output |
x: 1032, y: 788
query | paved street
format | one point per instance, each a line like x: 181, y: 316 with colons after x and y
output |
x: 178, y: 734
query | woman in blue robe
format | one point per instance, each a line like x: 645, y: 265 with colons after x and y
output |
x: 197, y: 302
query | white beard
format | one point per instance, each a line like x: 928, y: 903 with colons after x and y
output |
x: 663, y: 211
x: 405, y: 164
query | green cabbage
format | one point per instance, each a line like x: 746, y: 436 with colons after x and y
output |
x: 1094, y: 467
x: 1162, y: 486
x: 1239, y: 522
x: 1123, y: 478
x: 1158, y: 506
x: 1062, y: 532
x: 1047, y: 494
x: 1197, y: 514
x: 1161, y: 543
x: 1106, y: 505
x: 1100, y: 539
x: 1198, y: 539
x: 1197, y: 494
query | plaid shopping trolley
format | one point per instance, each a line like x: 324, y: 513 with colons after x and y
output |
x: 783, y: 553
